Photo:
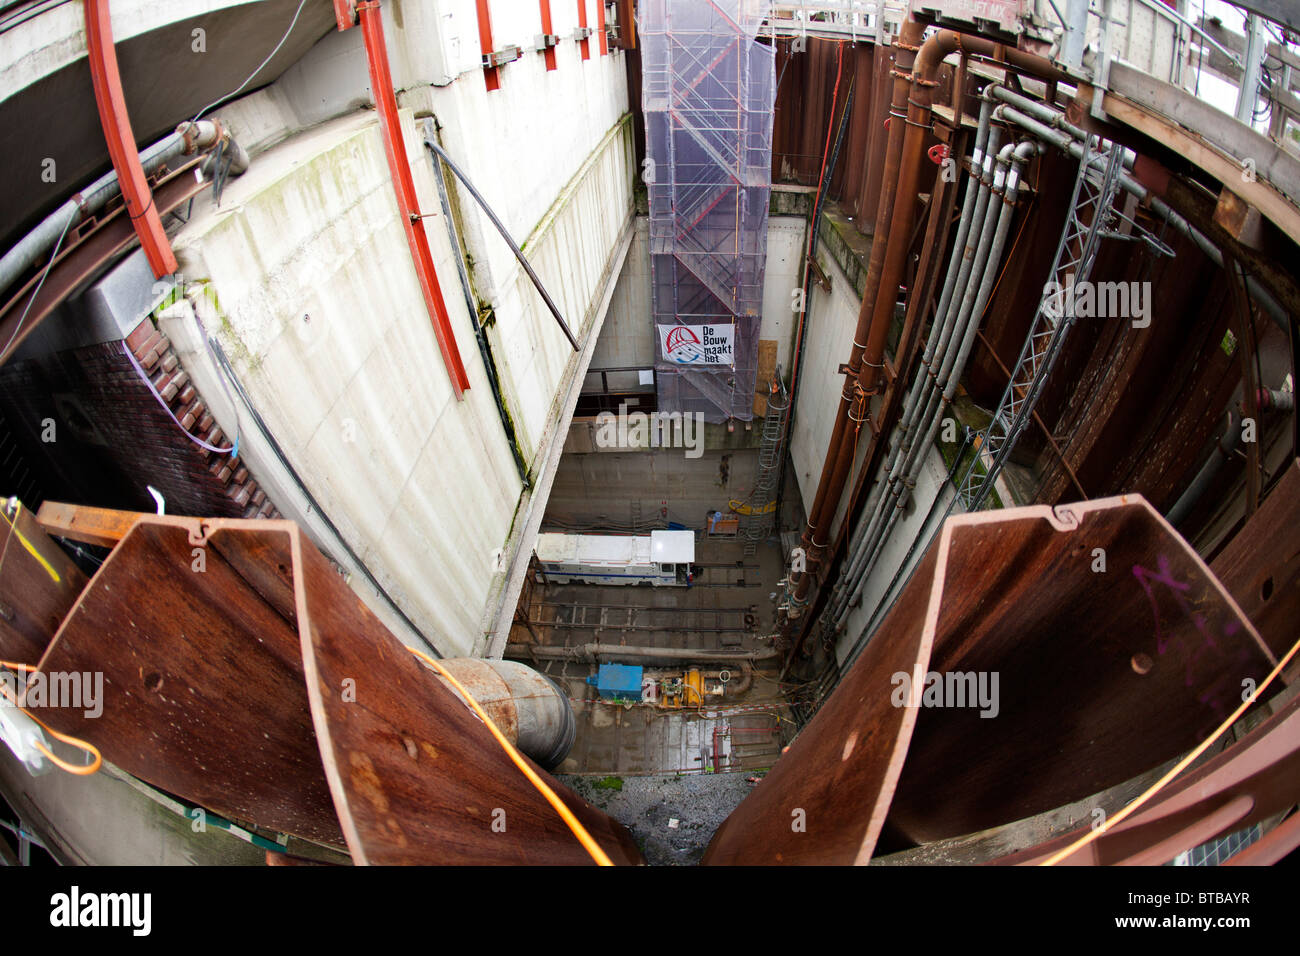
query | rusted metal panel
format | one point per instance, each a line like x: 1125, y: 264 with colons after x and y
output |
x: 1260, y: 567
x: 416, y: 777
x: 1146, y: 400
x: 1245, y: 784
x: 35, y: 592
x: 228, y: 645
x: 1070, y: 722
x: 1100, y: 676
x: 873, y: 160
x: 203, y: 682
x: 849, y: 171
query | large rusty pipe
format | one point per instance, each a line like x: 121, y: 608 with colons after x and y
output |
x: 881, y: 294
x: 834, y: 463
x: 526, y: 705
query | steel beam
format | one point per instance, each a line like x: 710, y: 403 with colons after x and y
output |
x: 490, y: 77
x: 116, y: 121
x: 408, y: 204
x: 584, y: 45
x: 81, y: 260
x: 1260, y: 566
x: 548, y: 29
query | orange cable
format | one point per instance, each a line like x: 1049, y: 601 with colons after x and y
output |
x: 1174, y: 771
x: 80, y: 771
x: 585, y: 838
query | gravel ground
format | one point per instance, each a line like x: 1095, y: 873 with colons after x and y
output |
x: 646, y: 805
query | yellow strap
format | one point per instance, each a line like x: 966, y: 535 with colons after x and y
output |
x: 1174, y: 771
x: 590, y: 845
x: 27, y: 544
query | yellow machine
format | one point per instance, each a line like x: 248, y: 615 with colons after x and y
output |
x: 685, y: 691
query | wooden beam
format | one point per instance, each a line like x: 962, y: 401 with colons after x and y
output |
x: 1157, y: 109
x: 99, y: 526
x: 1258, y: 193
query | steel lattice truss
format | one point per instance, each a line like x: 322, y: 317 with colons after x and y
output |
x: 1091, y: 207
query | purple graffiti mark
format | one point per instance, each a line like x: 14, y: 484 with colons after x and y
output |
x: 1164, y: 578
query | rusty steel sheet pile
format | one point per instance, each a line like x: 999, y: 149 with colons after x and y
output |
x: 243, y: 674
x: 1247, y: 783
x: 1074, y: 648
x: 39, y: 585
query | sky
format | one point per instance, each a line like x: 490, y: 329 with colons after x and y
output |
x: 1212, y: 89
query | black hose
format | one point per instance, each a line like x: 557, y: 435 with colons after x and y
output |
x: 312, y: 503
x: 519, y: 253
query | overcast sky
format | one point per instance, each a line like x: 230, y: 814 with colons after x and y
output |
x: 1211, y: 88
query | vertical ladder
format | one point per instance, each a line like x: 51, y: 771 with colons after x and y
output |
x: 759, y: 522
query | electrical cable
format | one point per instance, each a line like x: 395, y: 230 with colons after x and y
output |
x: 239, y: 89
x: 48, y: 266
x: 231, y: 449
x: 590, y: 845
x: 83, y: 770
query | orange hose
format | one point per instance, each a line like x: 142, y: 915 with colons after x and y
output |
x: 83, y: 770
x: 585, y: 838
x: 1174, y: 771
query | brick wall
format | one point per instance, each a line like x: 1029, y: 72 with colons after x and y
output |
x: 112, y: 438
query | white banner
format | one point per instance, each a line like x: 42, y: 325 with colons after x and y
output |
x: 698, y: 344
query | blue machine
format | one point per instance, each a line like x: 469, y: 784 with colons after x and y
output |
x: 617, y: 682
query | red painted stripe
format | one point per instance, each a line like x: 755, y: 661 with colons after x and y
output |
x: 343, y: 14
x: 584, y: 45
x: 116, y: 122
x: 547, y: 28
x: 381, y: 83
x: 485, y: 45
x: 600, y: 27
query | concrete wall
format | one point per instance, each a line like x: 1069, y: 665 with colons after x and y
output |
x: 614, y: 489
x: 322, y: 317
x: 828, y: 337
x: 627, y: 338
x: 787, y: 238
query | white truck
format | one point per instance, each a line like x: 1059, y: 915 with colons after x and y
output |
x: 661, y: 558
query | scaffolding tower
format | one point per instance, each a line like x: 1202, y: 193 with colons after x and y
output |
x: 708, y: 89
